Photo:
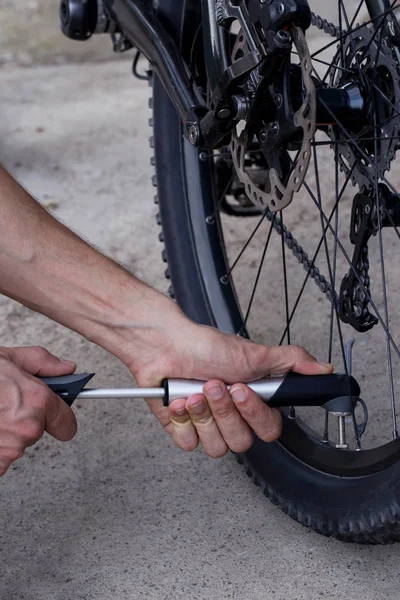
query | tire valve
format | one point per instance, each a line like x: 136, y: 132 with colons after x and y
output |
x: 342, y: 445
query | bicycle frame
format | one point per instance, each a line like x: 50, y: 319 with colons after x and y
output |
x: 148, y: 31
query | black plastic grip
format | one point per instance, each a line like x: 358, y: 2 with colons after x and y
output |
x: 68, y: 387
x: 313, y: 390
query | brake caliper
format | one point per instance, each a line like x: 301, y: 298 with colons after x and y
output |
x: 282, y: 106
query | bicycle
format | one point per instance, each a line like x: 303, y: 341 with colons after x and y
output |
x: 244, y: 115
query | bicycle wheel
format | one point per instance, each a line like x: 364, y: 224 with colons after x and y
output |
x: 318, y: 273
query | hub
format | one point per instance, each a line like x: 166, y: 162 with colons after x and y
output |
x: 345, y: 105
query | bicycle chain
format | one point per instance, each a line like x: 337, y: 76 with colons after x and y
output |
x: 301, y: 255
x: 324, y: 25
x: 290, y: 241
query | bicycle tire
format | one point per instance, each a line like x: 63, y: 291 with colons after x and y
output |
x: 363, y: 509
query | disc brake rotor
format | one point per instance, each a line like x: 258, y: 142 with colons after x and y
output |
x: 281, y: 183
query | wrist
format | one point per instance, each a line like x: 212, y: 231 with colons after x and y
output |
x: 139, y: 327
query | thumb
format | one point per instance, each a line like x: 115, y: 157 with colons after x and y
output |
x: 36, y: 360
x: 282, y: 359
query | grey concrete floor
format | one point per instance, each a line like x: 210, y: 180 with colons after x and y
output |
x: 119, y: 512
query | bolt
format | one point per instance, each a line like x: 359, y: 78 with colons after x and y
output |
x: 263, y: 136
x: 281, y: 9
x: 284, y: 35
x: 203, y: 156
x: 367, y: 209
x: 274, y: 128
x: 210, y: 220
x: 278, y: 100
x: 224, y: 280
x: 224, y: 113
x: 262, y: 1
x: 193, y: 134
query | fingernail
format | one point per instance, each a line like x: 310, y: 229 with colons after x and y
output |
x: 198, y: 408
x: 215, y: 392
x: 324, y: 364
x: 238, y: 395
x: 180, y: 412
x: 69, y: 363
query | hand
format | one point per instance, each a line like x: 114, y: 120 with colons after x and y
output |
x: 27, y: 406
x: 218, y: 418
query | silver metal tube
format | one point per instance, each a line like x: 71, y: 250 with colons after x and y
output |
x: 179, y: 388
x: 123, y: 393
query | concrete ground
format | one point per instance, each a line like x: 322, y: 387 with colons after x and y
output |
x: 119, y: 512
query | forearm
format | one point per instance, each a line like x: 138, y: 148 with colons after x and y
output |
x: 48, y: 268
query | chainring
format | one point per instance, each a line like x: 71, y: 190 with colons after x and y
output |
x: 277, y: 193
x: 365, y: 51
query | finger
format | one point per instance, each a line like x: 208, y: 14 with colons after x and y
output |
x: 60, y: 421
x: 39, y: 361
x: 281, y: 359
x: 233, y: 428
x: 265, y: 421
x: 161, y: 412
x: 183, y: 431
x: 207, y: 429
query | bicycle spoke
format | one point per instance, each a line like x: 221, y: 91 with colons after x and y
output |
x: 253, y: 293
x: 330, y: 347
x: 360, y: 71
x: 221, y: 198
x: 316, y: 253
x: 245, y: 246
x: 332, y: 282
x: 341, y: 29
x: 366, y: 160
x: 285, y: 280
x: 324, y: 62
x: 346, y: 256
x: 397, y: 113
x: 347, y: 33
x: 362, y: 153
x: 374, y: 35
x: 342, y: 140
x: 385, y: 302
x: 369, y: 139
x: 325, y: 437
x: 351, y: 31
x: 357, y: 13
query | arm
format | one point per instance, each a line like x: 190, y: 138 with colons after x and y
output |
x: 48, y: 268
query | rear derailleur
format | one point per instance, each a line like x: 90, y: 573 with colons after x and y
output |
x: 367, y: 218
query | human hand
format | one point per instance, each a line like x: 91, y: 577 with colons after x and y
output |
x: 218, y: 418
x: 27, y: 406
